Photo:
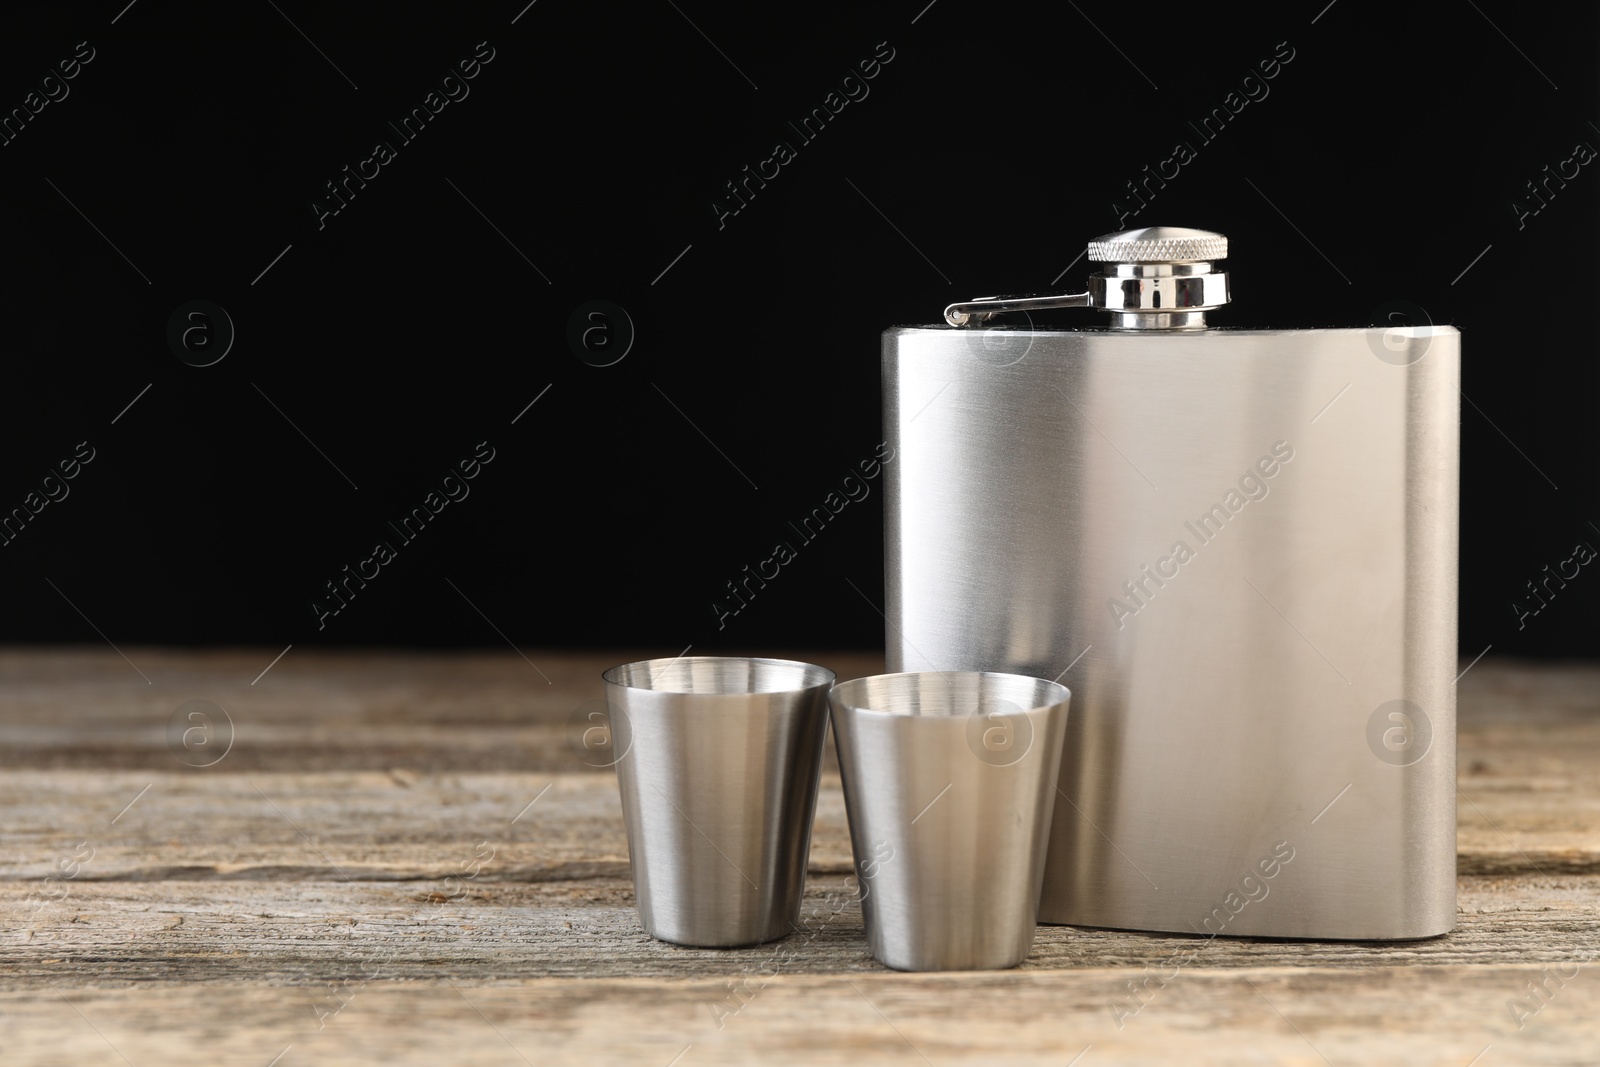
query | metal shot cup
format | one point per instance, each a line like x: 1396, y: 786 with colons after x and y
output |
x: 720, y: 758
x: 949, y: 783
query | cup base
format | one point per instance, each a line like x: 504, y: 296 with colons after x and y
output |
x: 688, y: 941
x: 915, y: 965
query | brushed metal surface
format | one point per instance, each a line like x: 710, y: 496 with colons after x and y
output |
x: 720, y: 759
x: 949, y: 786
x: 1246, y: 750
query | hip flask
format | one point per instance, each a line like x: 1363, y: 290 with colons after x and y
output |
x: 1238, y: 548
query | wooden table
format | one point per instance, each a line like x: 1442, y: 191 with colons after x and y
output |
x: 402, y: 859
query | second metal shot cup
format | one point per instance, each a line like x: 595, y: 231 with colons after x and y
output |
x: 949, y: 784
x: 719, y: 759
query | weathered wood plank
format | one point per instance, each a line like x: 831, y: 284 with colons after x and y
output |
x: 399, y: 825
x: 488, y: 711
x: 1528, y: 768
x: 329, y: 826
x: 1391, y: 1015
x: 311, y: 933
x: 222, y: 915
x: 1529, y: 742
x: 317, y: 710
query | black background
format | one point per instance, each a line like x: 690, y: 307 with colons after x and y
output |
x: 410, y: 326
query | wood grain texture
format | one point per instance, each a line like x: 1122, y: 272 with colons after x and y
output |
x: 314, y: 932
x: 317, y: 711
x: 408, y: 858
x: 1382, y: 1015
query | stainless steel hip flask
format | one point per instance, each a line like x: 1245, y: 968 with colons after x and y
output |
x: 1238, y: 548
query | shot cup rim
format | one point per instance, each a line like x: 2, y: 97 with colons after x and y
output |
x: 810, y: 676
x: 1061, y: 694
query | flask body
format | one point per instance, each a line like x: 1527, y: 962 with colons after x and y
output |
x: 1238, y: 550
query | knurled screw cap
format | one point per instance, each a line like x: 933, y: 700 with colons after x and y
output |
x: 1158, y: 244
